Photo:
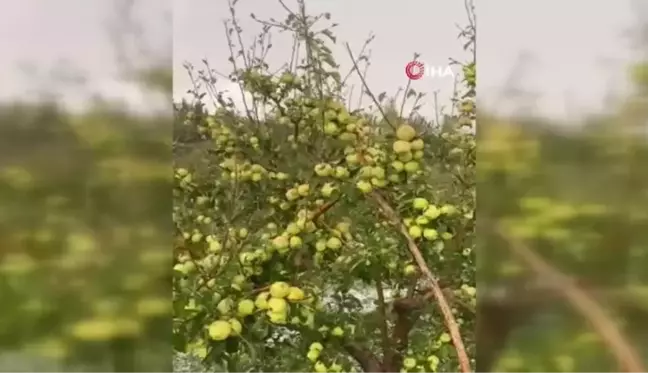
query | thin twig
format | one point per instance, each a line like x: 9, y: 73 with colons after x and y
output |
x: 240, y: 84
x: 436, y: 108
x: 409, y: 82
x: 364, y: 76
x: 366, y: 87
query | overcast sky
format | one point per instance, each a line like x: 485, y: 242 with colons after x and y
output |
x: 578, y: 49
x: 42, y: 38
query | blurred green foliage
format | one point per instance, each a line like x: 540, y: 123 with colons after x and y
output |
x: 577, y: 196
x: 85, y: 232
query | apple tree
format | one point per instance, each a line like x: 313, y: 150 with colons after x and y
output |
x: 313, y: 236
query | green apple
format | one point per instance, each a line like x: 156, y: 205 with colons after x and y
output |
x: 422, y: 220
x: 292, y: 194
x: 293, y: 229
x: 261, y: 301
x: 327, y: 190
x: 279, y: 289
x: 420, y: 203
x: 343, y: 116
x: 411, y: 167
x: 415, y: 231
x: 331, y: 129
x: 303, y: 190
x: 320, y: 367
x: 281, y: 176
x: 313, y: 355
x: 245, y: 307
x: 364, y: 186
x: 277, y: 317
x: 398, y: 166
x: 343, y: 226
x: 409, y: 270
x: 405, y: 133
x: 352, y: 159
x: 401, y: 147
x: 225, y: 306
x: 409, y: 362
x: 239, y: 279
x: 219, y: 330
x: 180, y: 267
x: 448, y: 210
x: 236, y: 326
x: 316, y: 346
x: 320, y: 245
x: 323, y: 169
x: 378, y: 182
x: 432, y: 212
x: 277, y: 305
x: 378, y: 172
x: 341, y: 172
x: 365, y: 172
x: 417, y: 144
x: 433, y: 362
x: 430, y: 234
x: 295, y: 294
x: 280, y: 242
x: 333, y: 243
x: 469, y: 290
x: 296, y: 242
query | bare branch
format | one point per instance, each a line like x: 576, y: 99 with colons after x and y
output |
x: 366, y: 87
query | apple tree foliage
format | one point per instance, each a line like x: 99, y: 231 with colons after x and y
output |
x: 289, y: 252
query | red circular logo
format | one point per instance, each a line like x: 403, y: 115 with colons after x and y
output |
x: 414, y: 70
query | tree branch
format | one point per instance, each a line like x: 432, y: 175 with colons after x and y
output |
x: 406, y: 316
x: 364, y: 357
x: 384, y: 327
x: 625, y: 354
x: 446, y: 311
